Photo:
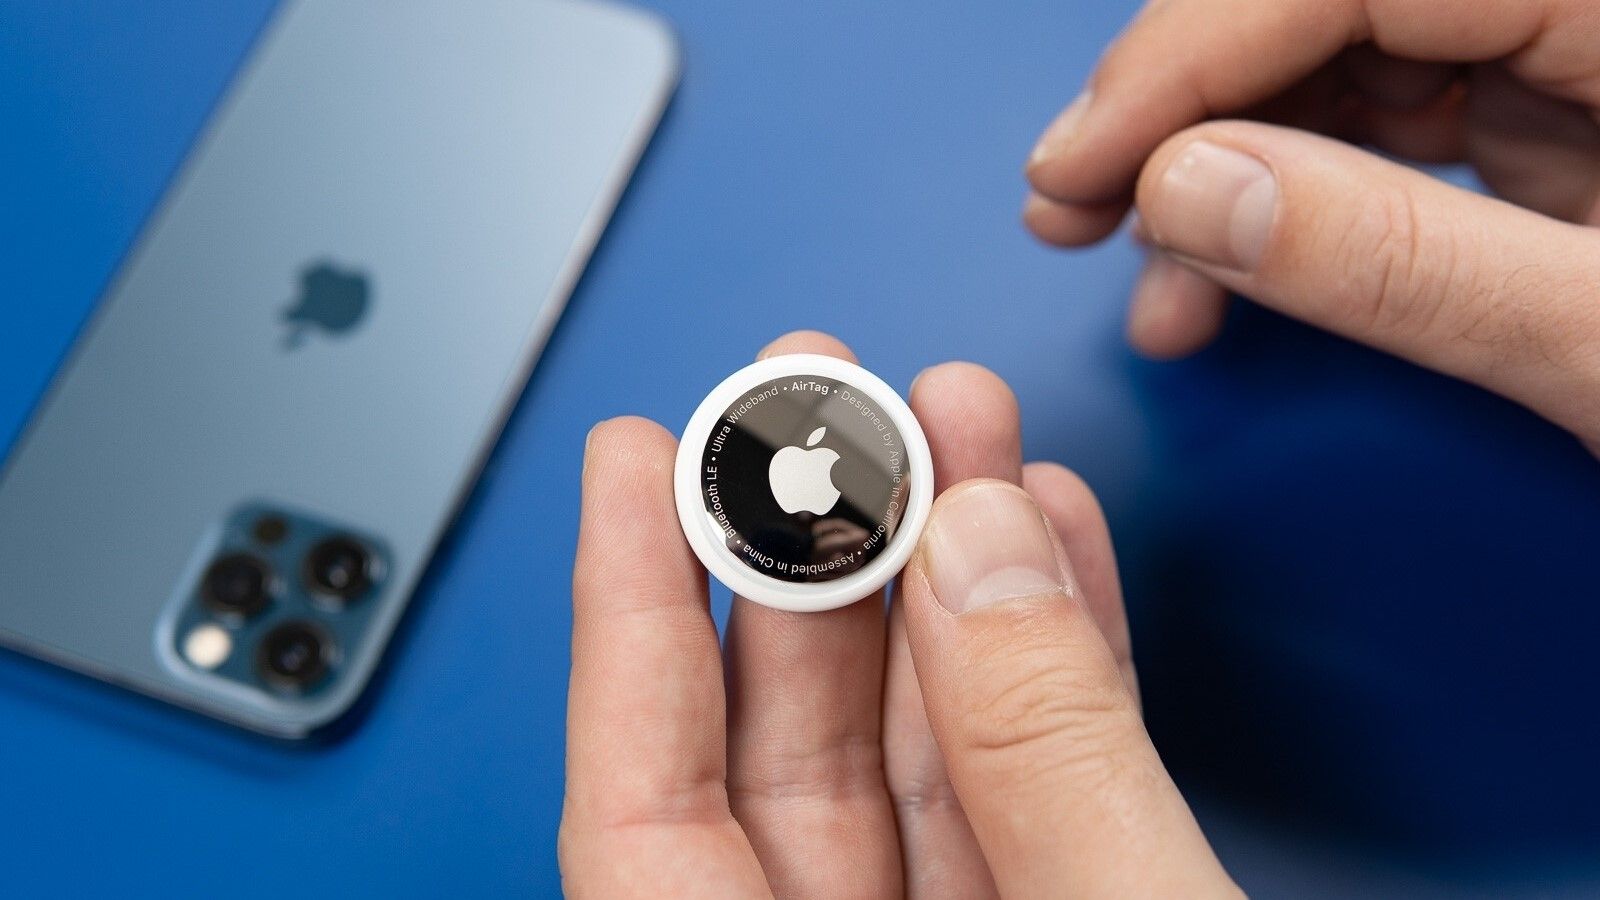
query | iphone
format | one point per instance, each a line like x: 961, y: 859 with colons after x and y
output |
x: 234, y: 482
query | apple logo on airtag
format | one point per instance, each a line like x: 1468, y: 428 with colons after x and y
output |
x: 802, y: 480
x: 331, y: 300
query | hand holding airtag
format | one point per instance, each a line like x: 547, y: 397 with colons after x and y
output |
x: 803, y: 482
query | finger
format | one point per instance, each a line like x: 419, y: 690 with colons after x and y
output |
x: 646, y: 812
x: 1175, y: 310
x: 1179, y: 63
x: 1316, y: 102
x: 973, y: 429
x: 1455, y: 281
x: 1043, y: 740
x: 1072, y: 510
x: 1066, y: 225
x: 806, y: 341
x: 972, y: 422
x: 1409, y: 109
x: 1531, y: 148
x: 1394, y: 83
x: 1435, y: 133
x: 1406, y: 108
x: 805, y: 754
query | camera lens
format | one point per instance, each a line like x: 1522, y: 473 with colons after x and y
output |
x: 340, y: 568
x: 238, y: 585
x: 295, y: 656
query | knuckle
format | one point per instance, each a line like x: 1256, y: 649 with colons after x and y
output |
x: 922, y: 791
x: 914, y: 772
x: 1405, y: 278
x: 1032, y: 695
x: 1382, y: 286
x: 844, y: 766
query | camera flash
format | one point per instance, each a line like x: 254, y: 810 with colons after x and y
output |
x: 802, y: 482
x: 207, y: 646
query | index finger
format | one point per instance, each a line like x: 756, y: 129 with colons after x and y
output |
x: 1183, y: 61
x: 646, y: 802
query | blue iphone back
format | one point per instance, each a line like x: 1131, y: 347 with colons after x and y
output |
x: 315, y: 340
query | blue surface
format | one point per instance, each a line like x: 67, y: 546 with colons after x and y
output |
x: 1363, y: 595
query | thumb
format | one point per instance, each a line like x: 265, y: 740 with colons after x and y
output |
x: 1384, y: 254
x: 1043, y: 742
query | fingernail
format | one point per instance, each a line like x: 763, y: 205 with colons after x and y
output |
x: 1036, y: 205
x: 910, y: 391
x: 988, y: 543
x: 1061, y: 131
x: 588, y: 442
x: 1136, y: 227
x: 1214, y: 204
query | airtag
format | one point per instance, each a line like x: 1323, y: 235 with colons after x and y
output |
x: 803, y: 482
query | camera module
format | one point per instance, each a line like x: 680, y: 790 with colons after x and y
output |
x: 295, y: 657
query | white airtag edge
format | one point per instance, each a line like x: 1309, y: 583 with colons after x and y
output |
x: 706, y: 537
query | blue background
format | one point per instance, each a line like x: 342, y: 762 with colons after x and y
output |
x: 1363, y: 595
